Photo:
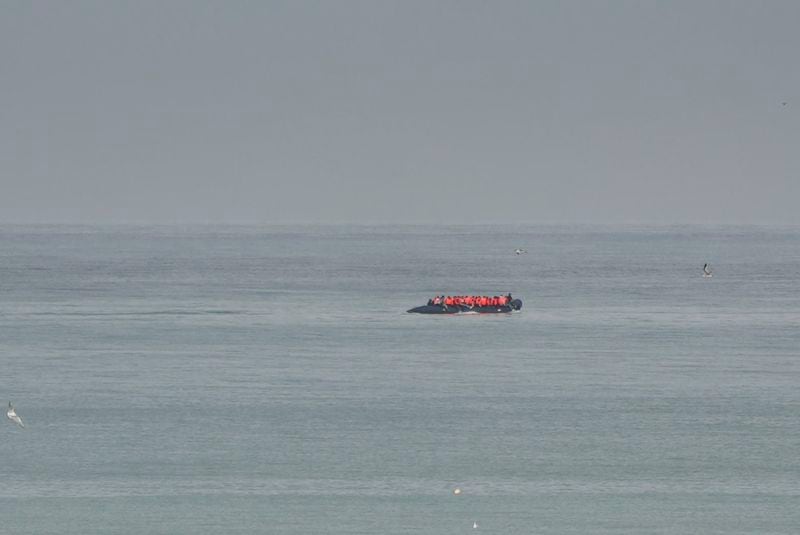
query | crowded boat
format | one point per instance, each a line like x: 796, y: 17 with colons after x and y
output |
x: 471, y: 300
x: 483, y: 304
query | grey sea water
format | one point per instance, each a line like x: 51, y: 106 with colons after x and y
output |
x: 185, y: 380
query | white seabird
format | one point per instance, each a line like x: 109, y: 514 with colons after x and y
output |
x: 520, y: 251
x: 474, y: 525
x: 12, y: 415
x: 706, y: 270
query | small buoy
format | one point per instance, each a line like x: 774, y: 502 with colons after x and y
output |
x: 456, y: 491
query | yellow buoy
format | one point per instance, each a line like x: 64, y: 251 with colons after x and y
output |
x: 457, y: 491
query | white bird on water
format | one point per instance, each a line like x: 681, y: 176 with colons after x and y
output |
x: 12, y: 415
x: 520, y: 251
x: 474, y: 525
x: 706, y: 270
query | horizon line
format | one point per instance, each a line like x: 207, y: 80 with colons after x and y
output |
x: 245, y: 223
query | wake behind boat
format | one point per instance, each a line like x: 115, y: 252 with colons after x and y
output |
x: 469, y: 304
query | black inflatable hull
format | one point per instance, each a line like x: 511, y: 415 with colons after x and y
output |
x: 516, y: 304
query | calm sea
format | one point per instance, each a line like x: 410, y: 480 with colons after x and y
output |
x: 237, y: 379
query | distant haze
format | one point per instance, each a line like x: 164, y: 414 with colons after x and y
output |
x: 374, y: 111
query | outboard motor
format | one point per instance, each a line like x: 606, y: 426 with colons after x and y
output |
x: 516, y: 304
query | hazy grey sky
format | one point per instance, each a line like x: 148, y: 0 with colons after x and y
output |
x: 342, y: 111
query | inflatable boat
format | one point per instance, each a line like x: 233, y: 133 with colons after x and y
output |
x: 469, y: 306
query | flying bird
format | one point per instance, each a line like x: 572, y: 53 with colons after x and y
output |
x: 706, y: 270
x: 12, y: 415
x: 520, y: 251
